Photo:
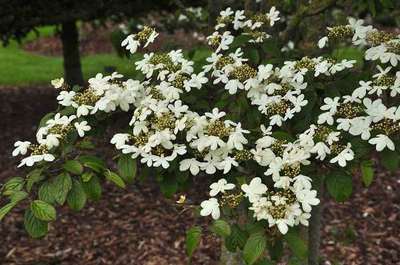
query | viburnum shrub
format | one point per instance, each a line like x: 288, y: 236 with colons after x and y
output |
x: 264, y: 131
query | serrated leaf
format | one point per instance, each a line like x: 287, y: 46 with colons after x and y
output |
x: 92, y: 188
x: 73, y: 167
x: 367, y: 172
x: 47, y: 193
x: 43, y: 210
x: 193, y: 236
x: 255, y: 246
x: 339, y: 185
x: 127, y: 168
x: 221, y: 228
x: 35, y: 227
x: 168, y: 186
x: 86, y: 176
x: 113, y: 177
x: 237, y: 239
x: 6, y: 209
x: 18, y: 196
x: 76, y: 198
x: 33, y: 177
x: 264, y: 261
x: 45, y: 118
x: 297, y: 245
x: 62, y: 185
x: 93, y: 162
x: 13, y: 185
x: 389, y: 159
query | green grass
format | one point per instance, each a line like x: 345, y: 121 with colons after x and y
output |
x: 18, y: 67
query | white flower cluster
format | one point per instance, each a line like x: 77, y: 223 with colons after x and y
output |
x: 105, y: 93
x: 371, y: 111
x: 144, y: 37
x: 215, y: 143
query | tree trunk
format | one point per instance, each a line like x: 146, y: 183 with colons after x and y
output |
x: 314, y: 230
x: 214, y: 7
x: 72, y: 62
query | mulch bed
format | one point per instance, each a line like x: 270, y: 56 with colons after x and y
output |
x: 139, y: 226
x: 97, y: 40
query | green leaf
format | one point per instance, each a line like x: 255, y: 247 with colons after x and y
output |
x: 45, y: 118
x: 6, y: 209
x: 43, y: 210
x: 13, y: 185
x: 73, y: 167
x: 76, y: 198
x: 127, y: 168
x: 35, y: 227
x: 367, y: 172
x: 221, y: 228
x: 113, y: 177
x: 92, y: 188
x: 18, y: 196
x: 253, y: 56
x: 349, y: 53
x: 86, y: 144
x: 264, y: 261
x: 255, y: 246
x: 33, y: 177
x: 389, y: 159
x: 62, y: 185
x: 47, y: 193
x: 93, y: 162
x: 296, y: 244
x: 87, y: 176
x: 168, y: 186
x: 340, y: 185
x: 237, y: 239
x: 193, y: 236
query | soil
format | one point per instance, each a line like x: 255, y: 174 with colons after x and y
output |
x: 98, y: 41
x: 139, y: 226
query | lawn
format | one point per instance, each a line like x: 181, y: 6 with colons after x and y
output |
x: 18, y: 67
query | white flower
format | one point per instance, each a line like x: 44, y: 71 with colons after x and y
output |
x: 215, y: 114
x: 273, y: 16
x: 321, y: 149
x: 220, y: 187
x: 322, y: 42
x: 65, y: 98
x: 192, y: 164
x: 120, y: 139
x: 151, y: 38
x: 130, y: 43
x: 210, y: 206
x: 381, y: 142
x: 307, y: 198
x: 58, y: 82
x: 52, y: 140
x: 227, y: 164
x: 238, y: 19
x: 31, y: 160
x: 346, y: 155
x: 255, y: 189
x: 233, y: 85
x: 331, y: 105
x: 21, y: 148
x: 82, y: 127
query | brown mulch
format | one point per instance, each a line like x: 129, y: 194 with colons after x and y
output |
x: 97, y: 40
x: 92, y: 40
x: 139, y: 226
